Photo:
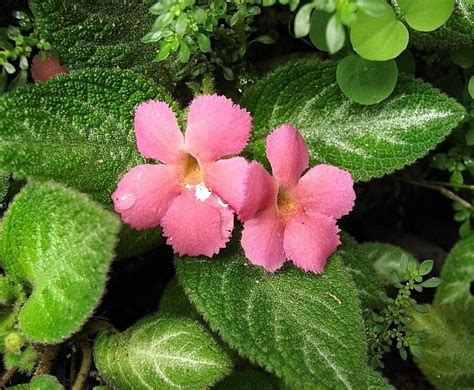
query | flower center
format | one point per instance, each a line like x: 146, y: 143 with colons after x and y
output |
x: 192, y: 171
x: 286, y: 205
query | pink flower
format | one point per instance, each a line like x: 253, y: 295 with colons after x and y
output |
x: 43, y: 69
x: 194, y: 193
x: 288, y: 217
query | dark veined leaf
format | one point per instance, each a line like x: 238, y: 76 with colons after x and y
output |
x: 367, y: 141
x: 305, y: 328
x: 457, y: 275
x: 105, y: 34
x: 445, y: 353
x: 161, y: 353
x: 60, y: 244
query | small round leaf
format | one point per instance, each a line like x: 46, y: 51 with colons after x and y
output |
x: 426, y: 15
x: 317, y: 33
x: 366, y: 82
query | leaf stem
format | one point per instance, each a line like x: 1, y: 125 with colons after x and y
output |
x: 7, y: 375
x: 442, y: 190
x: 85, y: 365
x: 46, y: 360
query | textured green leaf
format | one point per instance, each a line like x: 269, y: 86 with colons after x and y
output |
x: 388, y: 260
x: 106, y: 34
x: 457, y: 275
x: 75, y: 129
x: 175, y: 303
x: 361, y: 271
x: 4, y: 183
x: 305, y: 328
x: 368, y: 141
x: 458, y: 32
x: 59, y: 243
x: 42, y: 382
x: 446, y: 356
x: 247, y: 380
x: 161, y: 353
x: 24, y: 361
x: 376, y: 381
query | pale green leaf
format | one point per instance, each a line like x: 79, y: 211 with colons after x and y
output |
x: 61, y: 244
x: 446, y: 356
x: 76, y: 129
x: 389, y: 261
x: 426, y: 15
x: 302, y: 20
x: 457, y: 275
x: 42, y: 382
x: 105, y: 34
x: 161, y: 353
x: 457, y: 33
x: 367, y: 141
x: 305, y: 328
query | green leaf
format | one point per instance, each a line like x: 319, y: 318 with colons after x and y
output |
x: 457, y: 33
x: 302, y: 20
x: 42, y: 382
x: 25, y: 361
x: 137, y: 242
x: 175, y: 303
x: 389, y: 261
x: 335, y: 34
x: 105, y: 34
x: 303, y: 327
x: 470, y: 86
x: 247, y: 380
x: 203, y: 42
x: 446, y: 356
x: 366, y: 82
x: 367, y: 141
x: 376, y: 381
x: 61, y: 244
x: 426, y: 15
x: 361, y: 272
x: 463, y: 57
x: 76, y: 129
x: 457, y: 275
x: 379, y: 38
x: 161, y: 353
x: 4, y: 185
x: 426, y: 267
x: 317, y: 33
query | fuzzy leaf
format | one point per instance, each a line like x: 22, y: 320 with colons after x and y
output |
x: 389, y: 261
x: 457, y: 33
x: 61, y: 244
x: 367, y: 141
x: 446, y: 356
x: 303, y: 327
x: 161, y: 353
x: 42, y: 382
x: 105, y: 34
x: 457, y: 275
x: 4, y: 184
x: 75, y: 129
x: 377, y: 382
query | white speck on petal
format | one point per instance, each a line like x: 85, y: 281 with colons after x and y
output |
x: 202, y: 193
x: 221, y: 203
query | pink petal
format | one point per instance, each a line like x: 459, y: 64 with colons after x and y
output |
x: 45, y: 67
x: 157, y: 132
x: 216, y: 127
x: 262, y: 240
x: 310, y: 238
x: 196, y: 227
x: 259, y: 189
x: 144, y: 194
x: 288, y: 154
x: 226, y: 178
x: 326, y: 189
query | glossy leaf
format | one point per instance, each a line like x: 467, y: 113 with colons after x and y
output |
x: 379, y: 38
x: 389, y: 261
x: 426, y: 15
x: 446, y: 357
x: 303, y: 327
x: 457, y: 33
x: 161, y: 353
x: 457, y: 275
x: 366, y: 82
x: 75, y: 129
x: 61, y: 244
x: 87, y: 34
x: 367, y: 141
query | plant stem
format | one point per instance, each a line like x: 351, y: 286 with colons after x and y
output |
x: 443, y: 191
x: 7, y: 376
x: 47, y: 359
x: 85, y: 365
